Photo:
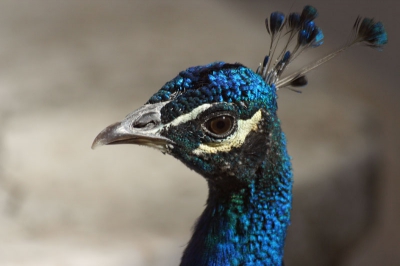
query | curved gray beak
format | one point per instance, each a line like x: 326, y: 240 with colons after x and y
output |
x: 142, y: 127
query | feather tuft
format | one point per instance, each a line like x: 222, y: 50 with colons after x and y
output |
x: 318, y: 38
x: 276, y: 20
x: 309, y: 14
x: 300, y: 81
x: 302, y: 37
x: 301, y: 34
x: 294, y: 21
x: 370, y: 33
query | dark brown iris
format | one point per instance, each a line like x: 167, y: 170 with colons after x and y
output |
x: 220, y: 126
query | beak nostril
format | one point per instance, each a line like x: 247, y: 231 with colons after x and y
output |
x: 140, y: 124
x: 146, y: 120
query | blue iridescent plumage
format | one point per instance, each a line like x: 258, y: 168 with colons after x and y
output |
x: 215, y: 82
x: 221, y: 120
x: 248, y: 208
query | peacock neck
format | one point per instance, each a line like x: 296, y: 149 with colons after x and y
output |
x: 244, y: 227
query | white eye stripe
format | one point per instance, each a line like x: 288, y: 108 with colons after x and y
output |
x: 189, y: 116
x: 235, y: 140
x: 244, y: 127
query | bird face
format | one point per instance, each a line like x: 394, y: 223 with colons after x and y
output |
x: 217, y: 119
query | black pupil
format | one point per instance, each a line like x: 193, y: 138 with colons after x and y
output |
x: 220, y: 125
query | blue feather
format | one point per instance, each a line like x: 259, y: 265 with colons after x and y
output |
x: 369, y: 32
x: 276, y: 22
x: 294, y: 21
x: 309, y: 14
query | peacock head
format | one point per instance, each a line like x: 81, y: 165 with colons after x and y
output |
x: 218, y: 119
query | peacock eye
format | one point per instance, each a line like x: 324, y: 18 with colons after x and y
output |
x: 220, y: 126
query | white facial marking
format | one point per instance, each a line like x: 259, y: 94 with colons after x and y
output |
x: 233, y: 141
x: 189, y: 116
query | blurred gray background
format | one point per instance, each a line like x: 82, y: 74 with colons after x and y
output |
x: 70, y: 68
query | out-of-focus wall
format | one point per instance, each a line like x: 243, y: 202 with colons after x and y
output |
x: 70, y: 68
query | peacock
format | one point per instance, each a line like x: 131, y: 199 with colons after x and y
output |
x: 221, y: 121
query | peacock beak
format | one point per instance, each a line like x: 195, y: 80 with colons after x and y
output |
x: 142, y: 127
